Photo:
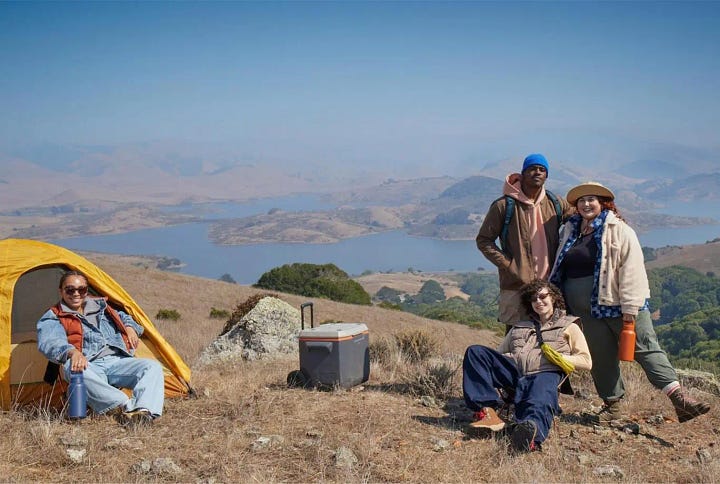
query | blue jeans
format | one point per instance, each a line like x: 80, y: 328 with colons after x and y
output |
x: 104, y: 376
x: 536, y: 395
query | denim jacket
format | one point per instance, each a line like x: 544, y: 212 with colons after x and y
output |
x: 53, y: 341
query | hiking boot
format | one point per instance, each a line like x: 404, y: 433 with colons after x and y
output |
x: 609, y: 412
x: 522, y: 437
x: 686, y: 407
x: 116, y: 413
x: 135, y: 419
x: 487, y: 418
x: 507, y: 413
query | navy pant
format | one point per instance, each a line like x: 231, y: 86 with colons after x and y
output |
x: 536, y: 396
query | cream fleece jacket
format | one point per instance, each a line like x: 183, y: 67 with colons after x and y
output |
x: 622, y: 280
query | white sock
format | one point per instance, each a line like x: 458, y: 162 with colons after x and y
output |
x: 671, y: 387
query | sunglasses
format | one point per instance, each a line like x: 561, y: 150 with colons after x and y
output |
x: 70, y: 290
x: 539, y: 297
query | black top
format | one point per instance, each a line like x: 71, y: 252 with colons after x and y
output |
x: 581, y: 258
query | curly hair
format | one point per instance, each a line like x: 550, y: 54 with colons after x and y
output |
x: 529, y: 290
x: 607, y: 204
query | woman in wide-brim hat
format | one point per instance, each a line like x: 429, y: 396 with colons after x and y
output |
x: 601, y: 270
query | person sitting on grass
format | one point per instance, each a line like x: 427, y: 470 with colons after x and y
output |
x: 84, y: 334
x: 529, y: 366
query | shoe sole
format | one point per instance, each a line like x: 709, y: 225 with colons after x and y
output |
x: 135, y: 419
x: 522, y: 437
x: 494, y: 427
x: 684, y: 415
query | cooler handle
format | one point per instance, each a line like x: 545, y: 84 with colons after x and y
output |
x: 302, y: 315
x: 319, y: 346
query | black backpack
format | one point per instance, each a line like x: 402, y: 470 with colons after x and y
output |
x: 510, y: 210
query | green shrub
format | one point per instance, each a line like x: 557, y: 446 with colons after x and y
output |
x: 227, y: 278
x: 219, y: 313
x: 431, y: 292
x: 389, y: 294
x: 169, y: 264
x: 313, y: 280
x: 170, y: 314
x: 389, y: 305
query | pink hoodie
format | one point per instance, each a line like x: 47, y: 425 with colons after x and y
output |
x: 538, y: 241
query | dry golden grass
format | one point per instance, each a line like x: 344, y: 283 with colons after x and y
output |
x: 391, y: 433
x: 410, y: 282
x: 701, y: 257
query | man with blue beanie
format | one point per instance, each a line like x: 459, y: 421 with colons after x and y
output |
x: 536, y: 159
x: 526, y: 220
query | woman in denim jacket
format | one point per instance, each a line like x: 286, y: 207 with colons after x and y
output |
x: 83, y: 333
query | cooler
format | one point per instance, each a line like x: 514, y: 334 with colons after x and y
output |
x: 335, y: 354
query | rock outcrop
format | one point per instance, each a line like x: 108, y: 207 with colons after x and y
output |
x: 269, y: 330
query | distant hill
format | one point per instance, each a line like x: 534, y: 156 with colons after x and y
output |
x: 701, y: 257
x: 472, y: 187
x: 651, y: 169
x: 394, y: 192
x: 704, y: 186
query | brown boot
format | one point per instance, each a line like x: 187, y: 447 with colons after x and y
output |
x: 487, y: 418
x: 686, y: 407
x: 609, y: 412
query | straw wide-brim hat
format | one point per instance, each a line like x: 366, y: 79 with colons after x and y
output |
x: 588, y: 188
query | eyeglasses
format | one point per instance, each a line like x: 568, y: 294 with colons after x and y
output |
x: 539, y: 297
x: 70, y: 290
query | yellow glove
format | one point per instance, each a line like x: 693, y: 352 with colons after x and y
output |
x: 557, y: 359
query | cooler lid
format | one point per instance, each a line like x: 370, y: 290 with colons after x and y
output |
x: 333, y: 330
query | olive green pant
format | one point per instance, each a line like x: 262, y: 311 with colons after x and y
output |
x: 602, y: 336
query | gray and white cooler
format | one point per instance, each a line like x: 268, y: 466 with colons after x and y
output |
x: 334, y: 354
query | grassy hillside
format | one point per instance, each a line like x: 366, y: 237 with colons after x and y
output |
x: 393, y: 435
x: 701, y: 257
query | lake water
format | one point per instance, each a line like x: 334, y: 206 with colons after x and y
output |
x: 388, y: 251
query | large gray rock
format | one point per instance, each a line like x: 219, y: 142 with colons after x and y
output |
x: 270, y: 329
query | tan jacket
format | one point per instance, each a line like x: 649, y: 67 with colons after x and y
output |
x: 517, y: 268
x: 622, y: 280
x: 561, y: 333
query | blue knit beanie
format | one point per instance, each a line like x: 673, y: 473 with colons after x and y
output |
x: 536, y: 159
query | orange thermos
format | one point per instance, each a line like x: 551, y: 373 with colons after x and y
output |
x: 626, y: 348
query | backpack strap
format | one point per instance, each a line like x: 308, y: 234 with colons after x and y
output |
x: 510, y: 210
x: 558, y: 207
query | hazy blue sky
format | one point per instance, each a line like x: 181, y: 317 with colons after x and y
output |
x: 415, y: 82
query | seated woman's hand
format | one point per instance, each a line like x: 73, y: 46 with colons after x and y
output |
x: 133, y: 338
x: 557, y: 359
x: 78, y: 362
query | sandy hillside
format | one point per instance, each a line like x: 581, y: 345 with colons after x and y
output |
x: 410, y: 283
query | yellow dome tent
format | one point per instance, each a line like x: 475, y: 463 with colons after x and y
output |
x: 29, y: 275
